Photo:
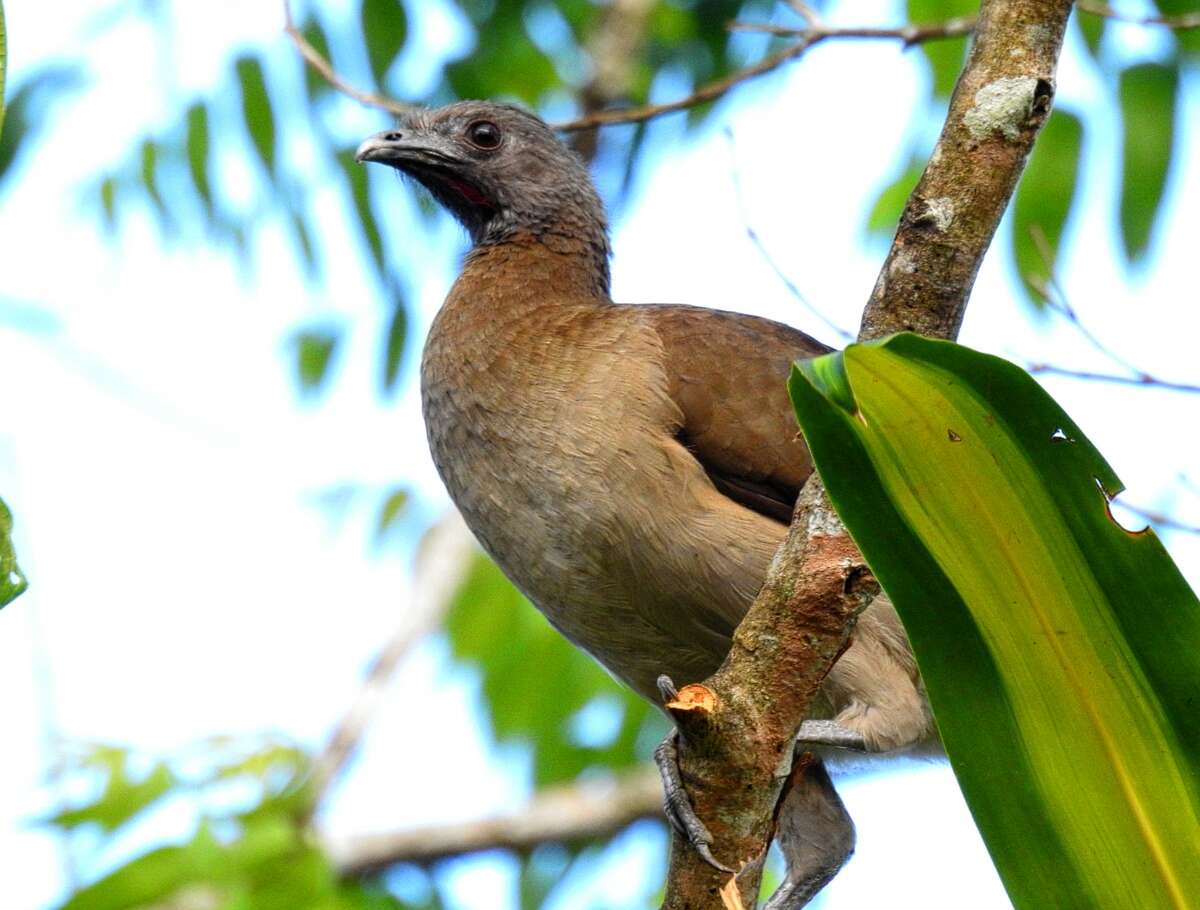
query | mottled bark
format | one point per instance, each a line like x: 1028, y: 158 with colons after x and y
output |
x: 735, y: 748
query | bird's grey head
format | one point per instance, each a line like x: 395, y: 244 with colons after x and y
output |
x: 500, y: 170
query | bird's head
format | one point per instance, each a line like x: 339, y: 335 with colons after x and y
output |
x: 500, y: 170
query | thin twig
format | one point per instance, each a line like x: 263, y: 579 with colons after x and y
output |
x: 1182, y: 22
x: 570, y: 814
x: 441, y: 564
x: 735, y: 177
x: 1141, y: 379
x: 907, y: 35
x: 1056, y: 298
x: 317, y: 61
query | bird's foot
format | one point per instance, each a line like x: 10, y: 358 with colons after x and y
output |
x: 676, y: 804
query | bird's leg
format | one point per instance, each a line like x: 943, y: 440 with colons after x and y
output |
x: 815, y: 834
x: 676, y: 804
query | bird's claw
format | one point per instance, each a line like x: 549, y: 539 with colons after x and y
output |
x: 676, y: 805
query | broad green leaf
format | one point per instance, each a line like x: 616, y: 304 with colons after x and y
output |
x: 1043, y: 202
x: 12, y: 582
x: 393, y: 350
x: 889, y: 204
x: 314, y: 351
x: 1061, y: 652
x: 945, y: 57
x: 1148, y: 94
x: 256, y: 109
x: 196, y: 143
x: 384, y: 28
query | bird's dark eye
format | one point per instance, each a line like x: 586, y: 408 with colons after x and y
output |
x: 483, y: 134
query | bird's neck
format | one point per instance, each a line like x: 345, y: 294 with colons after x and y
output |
x: 534, y: 266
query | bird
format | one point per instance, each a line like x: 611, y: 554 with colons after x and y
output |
x: 632, y: 468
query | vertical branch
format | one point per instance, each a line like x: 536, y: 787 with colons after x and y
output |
x: 736, y: 746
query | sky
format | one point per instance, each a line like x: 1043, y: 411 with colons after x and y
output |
x: 167, y: 477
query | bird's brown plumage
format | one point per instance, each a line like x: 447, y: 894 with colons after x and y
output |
x: 631, y: 468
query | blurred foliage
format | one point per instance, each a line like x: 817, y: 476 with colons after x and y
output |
x: 12, y: 582
x: 252, y: 845
x: 1146, y: 94
x: 3, y: 63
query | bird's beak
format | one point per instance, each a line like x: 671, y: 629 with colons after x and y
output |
x: 386, y: 147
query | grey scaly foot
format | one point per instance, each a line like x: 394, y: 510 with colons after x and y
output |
x: 830, y: 733
x: 676, y: 804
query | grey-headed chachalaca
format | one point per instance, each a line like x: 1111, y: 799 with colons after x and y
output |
x: 631, y: 468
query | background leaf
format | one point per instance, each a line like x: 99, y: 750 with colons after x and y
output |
x: 314, y: 351
x: 1043, y: 201
x: 384, y: 27
x: 257, y: 111
x: 12, y: 582
x: 1147, y: 93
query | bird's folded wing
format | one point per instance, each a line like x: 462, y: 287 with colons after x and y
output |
x: 728, y: 374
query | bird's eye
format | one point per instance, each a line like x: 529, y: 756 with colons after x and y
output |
x: 483, y: 134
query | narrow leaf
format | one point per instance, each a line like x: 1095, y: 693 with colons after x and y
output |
x: 256, y: 109
x: 390, y: 512
x: 12, y: 581
x: 196, y: 142
x: 1060, y: 651
x: 384, y: 27
x: 314, y: 352
x: 1043, y: 202
x: 393, y: 353
x: 1148, y: 93
x: 357, y: 175
x: 3, y: 64
x: 945, y: 57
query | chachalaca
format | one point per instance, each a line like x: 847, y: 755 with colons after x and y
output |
x: 632, y: 468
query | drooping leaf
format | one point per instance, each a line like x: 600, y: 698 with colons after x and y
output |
x: 196, y: 143
x: 1043, y: 201
x: 358, y: 177
x: 12, y: 581
x: 1148, y: 93
x: 314, y: 351
x: 1091, y: 28
x: 314, y: 82
x: 34, y: 93
x: 393, y: 350
x: 945, y: 57
x: 384, y: 28
x: 257, y: 112
x: 1060, y: 651
x: 149, y: 176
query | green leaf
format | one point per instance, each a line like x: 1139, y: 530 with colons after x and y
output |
x: 314, y: 352
x: 358, y: 177
x: 196, y: 143
x: 494, y: 627
x: 945, y: 57
x: 1187, y: 39
x: 1043, y: 202
x: 390, y: 512
x: 123, y: 796
x: 889, y: 204
x: 314, y: 82
x: 1091, y: 28
x: 12, y: 582
x: 1148, y: 93
x: 34, y: 94
x: 1060, y: 651
x: 3, y: 64
x: 256, y: 109
x: 384, y: 28
x: 393, y: 353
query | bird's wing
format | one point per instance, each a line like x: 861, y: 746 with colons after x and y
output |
x: 728, y: 374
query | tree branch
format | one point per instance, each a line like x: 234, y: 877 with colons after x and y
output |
x: 737, y: 733
x: 570, y: 815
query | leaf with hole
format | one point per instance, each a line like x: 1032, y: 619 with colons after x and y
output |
x: 1060, y: 651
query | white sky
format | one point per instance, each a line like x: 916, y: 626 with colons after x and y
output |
x: 162, y: 470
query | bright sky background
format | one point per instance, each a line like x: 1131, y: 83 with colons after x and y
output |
x: 166, y: 477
